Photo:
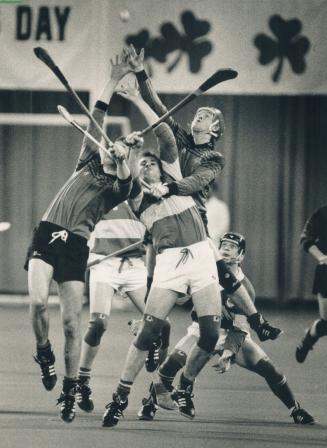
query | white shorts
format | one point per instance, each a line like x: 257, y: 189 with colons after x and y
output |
x: 122, y: 276
x: 186, y: 269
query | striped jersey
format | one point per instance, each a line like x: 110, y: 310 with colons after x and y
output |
x: 118, y: 229
x: 89, y: 192
x: 174, y: 221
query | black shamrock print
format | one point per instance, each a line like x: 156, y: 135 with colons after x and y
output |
x: 189, y: 43
x: 153, y: 47
x: 289, y: 45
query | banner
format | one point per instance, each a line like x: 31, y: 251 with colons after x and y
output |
x: 277, y: 46
x: 66, y: 29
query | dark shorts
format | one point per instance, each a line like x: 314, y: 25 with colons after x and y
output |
x: 320, y: 280
x: 65, y: 251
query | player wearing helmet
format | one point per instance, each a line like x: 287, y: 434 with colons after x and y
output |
x: 235, y: 345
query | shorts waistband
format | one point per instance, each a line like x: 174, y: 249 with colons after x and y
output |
x: 62, y: 233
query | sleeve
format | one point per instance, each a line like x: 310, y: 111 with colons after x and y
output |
x: 151, y: 97
x: 122, y: 188
x: 205, y: 173
x: 226, y: 277
x: 88, y: 147
x: 310, y: 233
x: 168, y: 151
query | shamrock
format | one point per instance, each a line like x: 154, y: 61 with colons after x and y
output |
x: 153, y: 47
x: 289, y: 45
x: 189, y: 43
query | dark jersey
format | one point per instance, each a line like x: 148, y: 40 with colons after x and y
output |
x: 315, y: 231
x: 200, y: 164
x: 89, y: 192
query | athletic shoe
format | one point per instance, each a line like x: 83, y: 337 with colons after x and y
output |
x: 148, y: 409
x: 152, y: 360
x: 48, y: 373
x: 267, y: 331
x: 305, y: 346
x: 83, y: 397
x: 301, y: 416
x: 183, y: 398
x: 114, y: 410
x: 68, y: 408
x: 163, y: 397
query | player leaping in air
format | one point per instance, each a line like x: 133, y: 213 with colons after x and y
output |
x: 184, y: 261
x: 200, y: 164
x: 59, y: 248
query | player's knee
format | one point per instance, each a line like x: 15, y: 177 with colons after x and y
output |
x: 321, y: 327
x: 149, y: 332
x: 209, y: 332
x: 97, y: 326
x: 269, y: 371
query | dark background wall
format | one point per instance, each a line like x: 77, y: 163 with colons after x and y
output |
x: 275, y: 176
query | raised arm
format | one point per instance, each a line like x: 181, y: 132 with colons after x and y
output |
x: 150, y: 96
x: 166, y: 140
x: 206, y: 172
x: 119, y: 68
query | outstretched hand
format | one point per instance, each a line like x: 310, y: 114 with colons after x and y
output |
x: 134, y: 60
x: 119, y: 67
x: 129, y: 91
x: 224, y: 362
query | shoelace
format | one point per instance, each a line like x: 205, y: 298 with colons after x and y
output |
x: 47, y: 367
x: 186, y: 253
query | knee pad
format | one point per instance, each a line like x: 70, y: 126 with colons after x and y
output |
x: 321, y: 327
x: 209, y: 326
x: 95, y: 330
x: 267, y: 370
x: 165, y: 334
x: 149, y: 332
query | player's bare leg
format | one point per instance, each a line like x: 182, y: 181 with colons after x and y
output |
x: 207, y: 305
x: 317, y: 330
x: 70, y: 293
x: 159, y: 304
x: 39, y: 279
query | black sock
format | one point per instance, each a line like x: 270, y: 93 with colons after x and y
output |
x: 123, y: 389
x: 165, y: 335
x: 276, y: 381
x: 43, y: 349
x: 173, y: 364
x: 68, y: 385
x: 185, y: 383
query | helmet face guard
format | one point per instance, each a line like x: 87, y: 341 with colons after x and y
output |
x: 238, y: 240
